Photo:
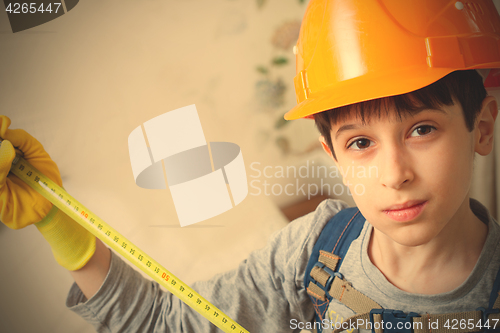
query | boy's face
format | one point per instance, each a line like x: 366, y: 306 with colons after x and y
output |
x: 410, y: 178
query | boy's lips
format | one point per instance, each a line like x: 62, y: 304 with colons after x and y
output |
x: 406, y: 211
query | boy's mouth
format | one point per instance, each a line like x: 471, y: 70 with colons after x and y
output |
x: 406, y: 211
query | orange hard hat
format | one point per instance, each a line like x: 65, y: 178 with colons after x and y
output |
x: 351, y: 51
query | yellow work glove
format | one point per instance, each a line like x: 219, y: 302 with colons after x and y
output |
x: 20, y: 205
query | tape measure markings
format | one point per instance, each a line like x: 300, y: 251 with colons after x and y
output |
x: 72, y: 207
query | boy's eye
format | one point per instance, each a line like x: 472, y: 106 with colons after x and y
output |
x: 360, y: 144
x: 422, y: 130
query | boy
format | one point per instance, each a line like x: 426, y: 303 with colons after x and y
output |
x: 417, y: 117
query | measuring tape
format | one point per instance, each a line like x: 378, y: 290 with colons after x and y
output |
x: 81, y: 214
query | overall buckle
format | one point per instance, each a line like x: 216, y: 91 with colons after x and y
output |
x: 332, y: 274
x: 394, y: 321
x: 493, y: 326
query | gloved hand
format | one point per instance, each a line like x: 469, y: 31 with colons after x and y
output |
x: 20, y: 205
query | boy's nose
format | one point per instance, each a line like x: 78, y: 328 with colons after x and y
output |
x: 396, y: 170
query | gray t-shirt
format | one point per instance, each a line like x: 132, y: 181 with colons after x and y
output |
x: 266, y: 292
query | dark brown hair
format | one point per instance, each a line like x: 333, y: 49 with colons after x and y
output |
x: 466, y: 87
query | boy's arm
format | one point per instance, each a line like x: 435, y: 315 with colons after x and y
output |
x: 264, y: 294
x: 91, y: 276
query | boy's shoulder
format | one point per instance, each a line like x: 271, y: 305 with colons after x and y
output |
x: 309, y: 227
x: 317, y: 219
x: 296, y: 241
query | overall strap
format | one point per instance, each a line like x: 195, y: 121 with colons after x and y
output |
x: 495, y: 293
x: 322, y: 270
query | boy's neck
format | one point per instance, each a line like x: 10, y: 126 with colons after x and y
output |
x: 438, y: 266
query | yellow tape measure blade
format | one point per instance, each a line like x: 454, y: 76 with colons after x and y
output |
x: 81, y: 214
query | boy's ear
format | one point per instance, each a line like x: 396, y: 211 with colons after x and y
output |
x: 329, y: 152
x: 485, y: 126
x: 325, y: 146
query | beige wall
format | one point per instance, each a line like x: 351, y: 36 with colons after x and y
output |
x: 83, y: 82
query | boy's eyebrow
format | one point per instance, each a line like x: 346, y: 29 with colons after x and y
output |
x: 345, y: 128
x: 348, y: 127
